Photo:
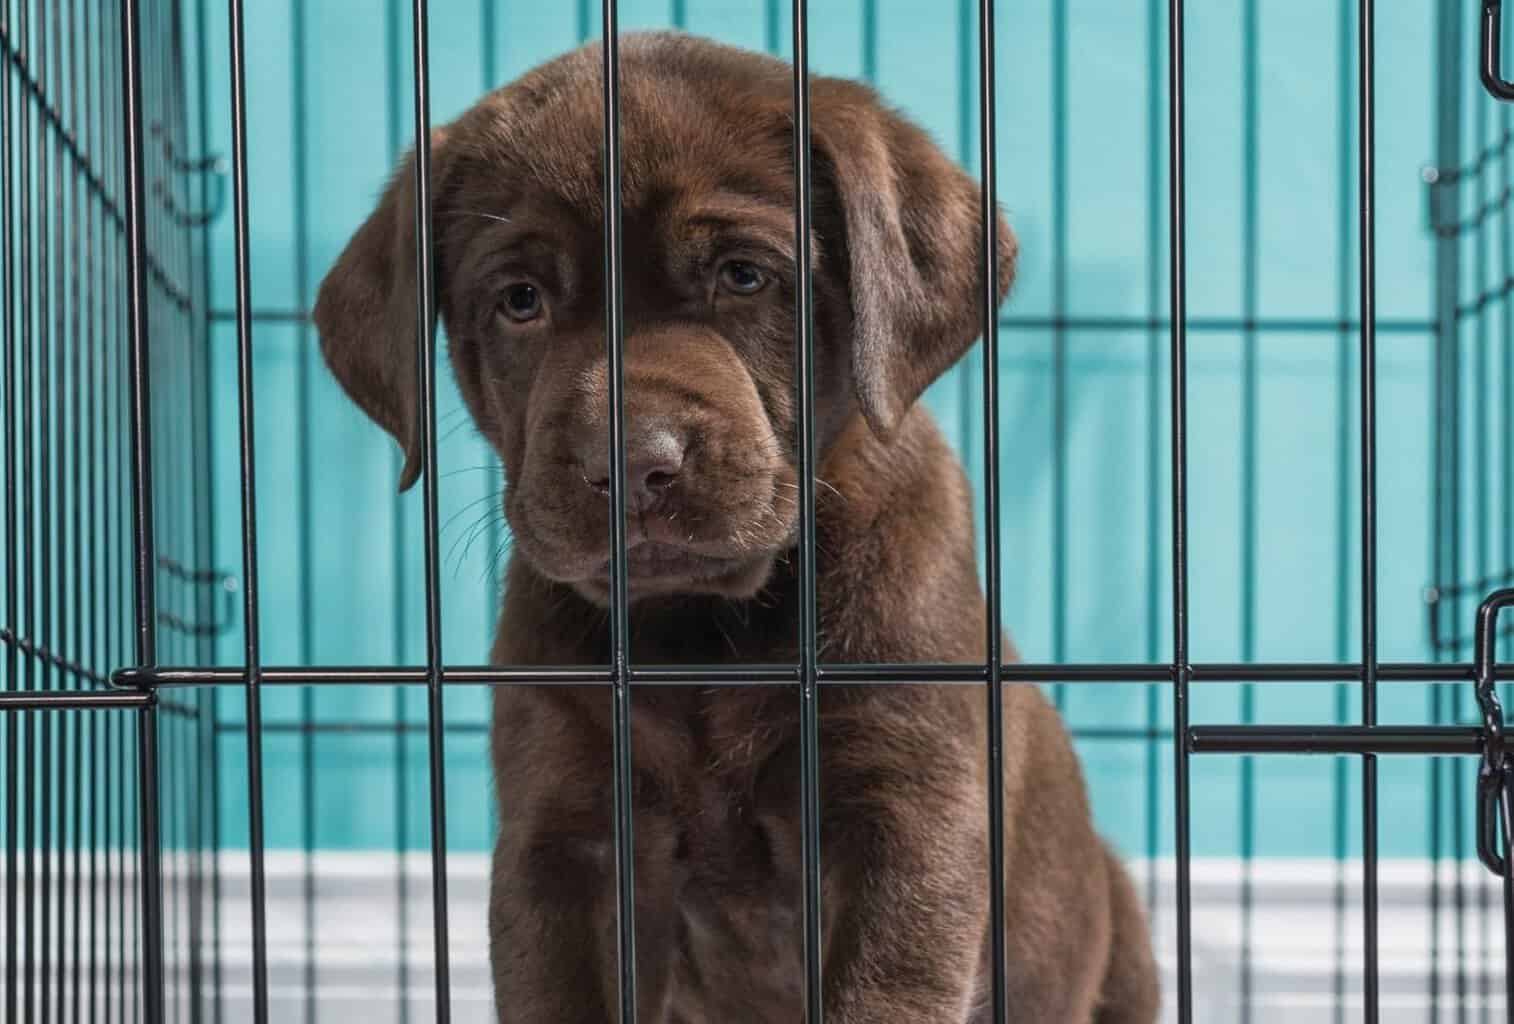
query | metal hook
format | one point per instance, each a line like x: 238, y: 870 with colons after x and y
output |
x: 1493, y: 778
x: 1492, y: 46
x: 191, y: 218
x: 213, y: 165
x: 226, y: 583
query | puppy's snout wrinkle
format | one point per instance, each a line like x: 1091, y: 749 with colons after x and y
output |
x: 654, y: 458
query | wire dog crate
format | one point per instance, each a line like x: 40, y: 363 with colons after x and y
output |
x: 127, y: 895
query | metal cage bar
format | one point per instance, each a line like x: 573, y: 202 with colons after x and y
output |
x: 993, y: 641
x: 143, y: 540
x: 1367, y: 240
x: 247, y: 438
x: 620, y: 681
x: 426, y: 410
x: 809, y: 679
x: 1181, y: 671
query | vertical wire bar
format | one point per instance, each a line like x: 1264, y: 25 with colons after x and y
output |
x: 495, y: 474
x: 159, y: 370
x: 1342, y: 498
x: 46, y: 413
x: 119, y: 633
x: 78, y: 125
x: 968, y: 418
x: 1455, y: 479
x: 1445, y: 198
x: 1482, y: 566
x: 1505, y: 473
x: 625, y: 878
x: 488, y: 32
x: 1507, y: 477
x: 206, y: 934
x: 303, y: 413
x: 109, y: 337
x: 1153, y: 435
x: 9, y: 325
x: 988, y: 234
x: 1178, y: 285
x: 1249, y: 495
x: 28, y: 535
x: 247, y: 438
x: 401, y: 765
x: 150, y: 883
x: 28, y: 450
x: 426, y: 350
x: 809, y: 713
x: 210, y: 703
x: 771, y: 26
x: 98, y: 728
x: 1059, y: 345
x: 1339, y: 765
x: 58, y: 593
x: 1367, y: 197
x: 870, y: 41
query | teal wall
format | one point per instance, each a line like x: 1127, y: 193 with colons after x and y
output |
x: 1085, y: 526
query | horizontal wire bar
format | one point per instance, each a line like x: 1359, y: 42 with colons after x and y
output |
x: 1340, y: 739
x: 372, y: 728
x: 1207, y: 325
x: 75, y: 700
x: 779, y: 675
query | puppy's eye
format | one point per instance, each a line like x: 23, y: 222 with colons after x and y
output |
x: 522, y: 302
x: 741, y: 277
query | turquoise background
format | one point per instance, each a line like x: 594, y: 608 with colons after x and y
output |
x: 1082, y: 102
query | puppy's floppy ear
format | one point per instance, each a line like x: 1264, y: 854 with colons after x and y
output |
x: 366, y: 310
x: 912, y: 241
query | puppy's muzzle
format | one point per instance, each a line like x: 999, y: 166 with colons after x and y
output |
x: 654, y: 458
x: 708, y: 491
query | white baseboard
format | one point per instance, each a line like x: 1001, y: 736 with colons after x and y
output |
x: 1295, y: 934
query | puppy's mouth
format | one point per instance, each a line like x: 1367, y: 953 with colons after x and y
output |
x: 652, y: 560
x: 657, y: 568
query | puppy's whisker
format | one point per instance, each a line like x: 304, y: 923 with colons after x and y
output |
x: 470, y: 469
x: 473, y: 536
x: 491, y: 496
x: 478, y: 526
x: 479, y: 213
x: 501, y: 550
x: 830, y: 487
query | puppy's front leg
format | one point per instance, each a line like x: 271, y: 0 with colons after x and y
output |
x: 552, y: 931
x: 547, y: 943
x: 905, y: 901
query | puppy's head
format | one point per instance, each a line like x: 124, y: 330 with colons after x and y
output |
x: 709, y: 293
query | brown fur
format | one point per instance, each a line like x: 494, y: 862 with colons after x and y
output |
x: 707, y: 169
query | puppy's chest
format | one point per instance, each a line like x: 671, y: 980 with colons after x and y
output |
x: 733, y: 874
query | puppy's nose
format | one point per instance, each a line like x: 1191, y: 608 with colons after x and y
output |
x: 654, y: 458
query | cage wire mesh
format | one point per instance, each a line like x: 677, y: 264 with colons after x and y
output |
x: 137, y: 276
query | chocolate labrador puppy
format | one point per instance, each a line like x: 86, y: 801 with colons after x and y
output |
x: 711, y: 492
